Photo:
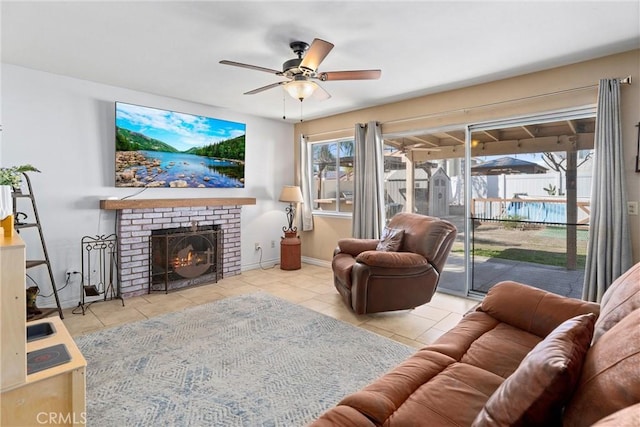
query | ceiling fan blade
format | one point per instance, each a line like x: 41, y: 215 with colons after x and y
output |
x: 320, y: 94
x: 318, y: 50
x: 263, y: 88
x: 251, y: 67
x: 350, y: 75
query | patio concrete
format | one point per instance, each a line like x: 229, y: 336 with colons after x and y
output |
x: 489, y: 271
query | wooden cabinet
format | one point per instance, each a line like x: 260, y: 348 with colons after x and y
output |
x: 51, y: 396
x: 13, y: 335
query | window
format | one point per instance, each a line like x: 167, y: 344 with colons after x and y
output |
x: 332, y: 176
x: 422, y: 172
x: 395, y: 180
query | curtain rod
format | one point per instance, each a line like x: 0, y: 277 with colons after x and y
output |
x: 624, y: 81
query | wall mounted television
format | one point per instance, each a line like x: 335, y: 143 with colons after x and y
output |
x: 161, y: 148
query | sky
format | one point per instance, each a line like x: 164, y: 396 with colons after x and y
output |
x: 180, y: 130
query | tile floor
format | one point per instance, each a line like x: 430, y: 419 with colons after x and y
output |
x: 311, y: 287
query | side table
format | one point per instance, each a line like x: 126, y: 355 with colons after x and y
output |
x: 290, y: 252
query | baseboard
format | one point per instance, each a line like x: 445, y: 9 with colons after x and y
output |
x: 273, y: 262
x: 260, y: 265
x: 316, y: 261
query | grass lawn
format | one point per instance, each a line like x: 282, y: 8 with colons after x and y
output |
x: 544, y: 245
x: 528, y: 255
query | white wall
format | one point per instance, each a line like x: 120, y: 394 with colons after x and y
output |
x: 65, y: 127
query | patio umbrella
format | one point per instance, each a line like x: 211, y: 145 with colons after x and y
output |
x: 506, y: 166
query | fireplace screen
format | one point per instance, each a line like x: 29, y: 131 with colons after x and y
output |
x: 185, y: 256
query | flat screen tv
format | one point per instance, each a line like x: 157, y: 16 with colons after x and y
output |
x: 160, y: 148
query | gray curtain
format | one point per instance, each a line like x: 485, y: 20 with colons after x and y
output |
x: 609, y: 247
x: 368, y: 187
x: 304, y: 179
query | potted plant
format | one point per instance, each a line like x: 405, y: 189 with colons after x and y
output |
x: 10, y: 179
x: 13, y: 175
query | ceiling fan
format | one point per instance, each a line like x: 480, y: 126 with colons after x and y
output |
x: 303, y: 70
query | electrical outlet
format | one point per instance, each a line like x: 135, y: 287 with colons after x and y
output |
x: 256, y: 246
x: 71, y: 271
x: 273, y: 244
x: 632, y: 208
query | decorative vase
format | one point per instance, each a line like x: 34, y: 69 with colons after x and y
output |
x: 6, y: 210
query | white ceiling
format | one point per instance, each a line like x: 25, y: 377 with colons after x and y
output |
x: 173, y: 48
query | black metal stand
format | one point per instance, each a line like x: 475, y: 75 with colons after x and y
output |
x: 99, y: 270
x: 291, y: 213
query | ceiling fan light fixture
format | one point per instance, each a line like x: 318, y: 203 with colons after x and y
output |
x: 303, y: 70
x: 300, y: 88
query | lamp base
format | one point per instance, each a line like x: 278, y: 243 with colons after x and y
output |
x: 290, y: 251
x: 291, y: 212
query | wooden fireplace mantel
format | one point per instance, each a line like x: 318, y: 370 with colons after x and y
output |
x: 174, y: 203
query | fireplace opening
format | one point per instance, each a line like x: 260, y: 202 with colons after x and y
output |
x: 185, y: 256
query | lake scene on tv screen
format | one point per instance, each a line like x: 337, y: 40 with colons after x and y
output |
x: 161, y: 148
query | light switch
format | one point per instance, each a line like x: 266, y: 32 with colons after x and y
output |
x: 632, y: 208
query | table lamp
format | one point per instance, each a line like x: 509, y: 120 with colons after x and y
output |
x: 290, y: 194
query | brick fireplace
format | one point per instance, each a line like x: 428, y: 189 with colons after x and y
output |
x: 138, y: 218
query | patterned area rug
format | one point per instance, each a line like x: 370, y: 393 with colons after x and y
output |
x: 251, y: 360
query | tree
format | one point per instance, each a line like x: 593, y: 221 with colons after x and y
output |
x: 558, y: 163
x: 568, y: 164
x: 323, y: 157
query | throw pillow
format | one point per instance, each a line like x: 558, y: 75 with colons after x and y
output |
x: 391, y: 240
x: 610, y: 377
x: 536, y: 392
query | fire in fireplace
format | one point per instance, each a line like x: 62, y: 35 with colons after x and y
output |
x: 185, y: 256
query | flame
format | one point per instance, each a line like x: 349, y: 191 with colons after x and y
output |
x: 187, y: 261
x: 192, y: 258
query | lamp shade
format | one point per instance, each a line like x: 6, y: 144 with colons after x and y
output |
x: 291, y: 194
x: 300, y: 89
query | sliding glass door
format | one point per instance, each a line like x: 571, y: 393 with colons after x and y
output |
x: 518, y: 192
x: 529, y: 193
x: 423, y: 173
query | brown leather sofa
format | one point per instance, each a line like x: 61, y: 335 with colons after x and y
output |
x: 372, y: 281
x: 525, y: 357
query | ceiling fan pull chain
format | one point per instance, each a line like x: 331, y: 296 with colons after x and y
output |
x: 300, y: 109
x: 284, y: 115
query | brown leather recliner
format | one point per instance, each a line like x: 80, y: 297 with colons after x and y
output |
x: 372, y: 281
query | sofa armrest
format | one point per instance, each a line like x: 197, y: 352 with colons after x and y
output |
x: 354, y: 246
x: 627, y: 417
x: 531, y: 309
x: 391, y: 259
